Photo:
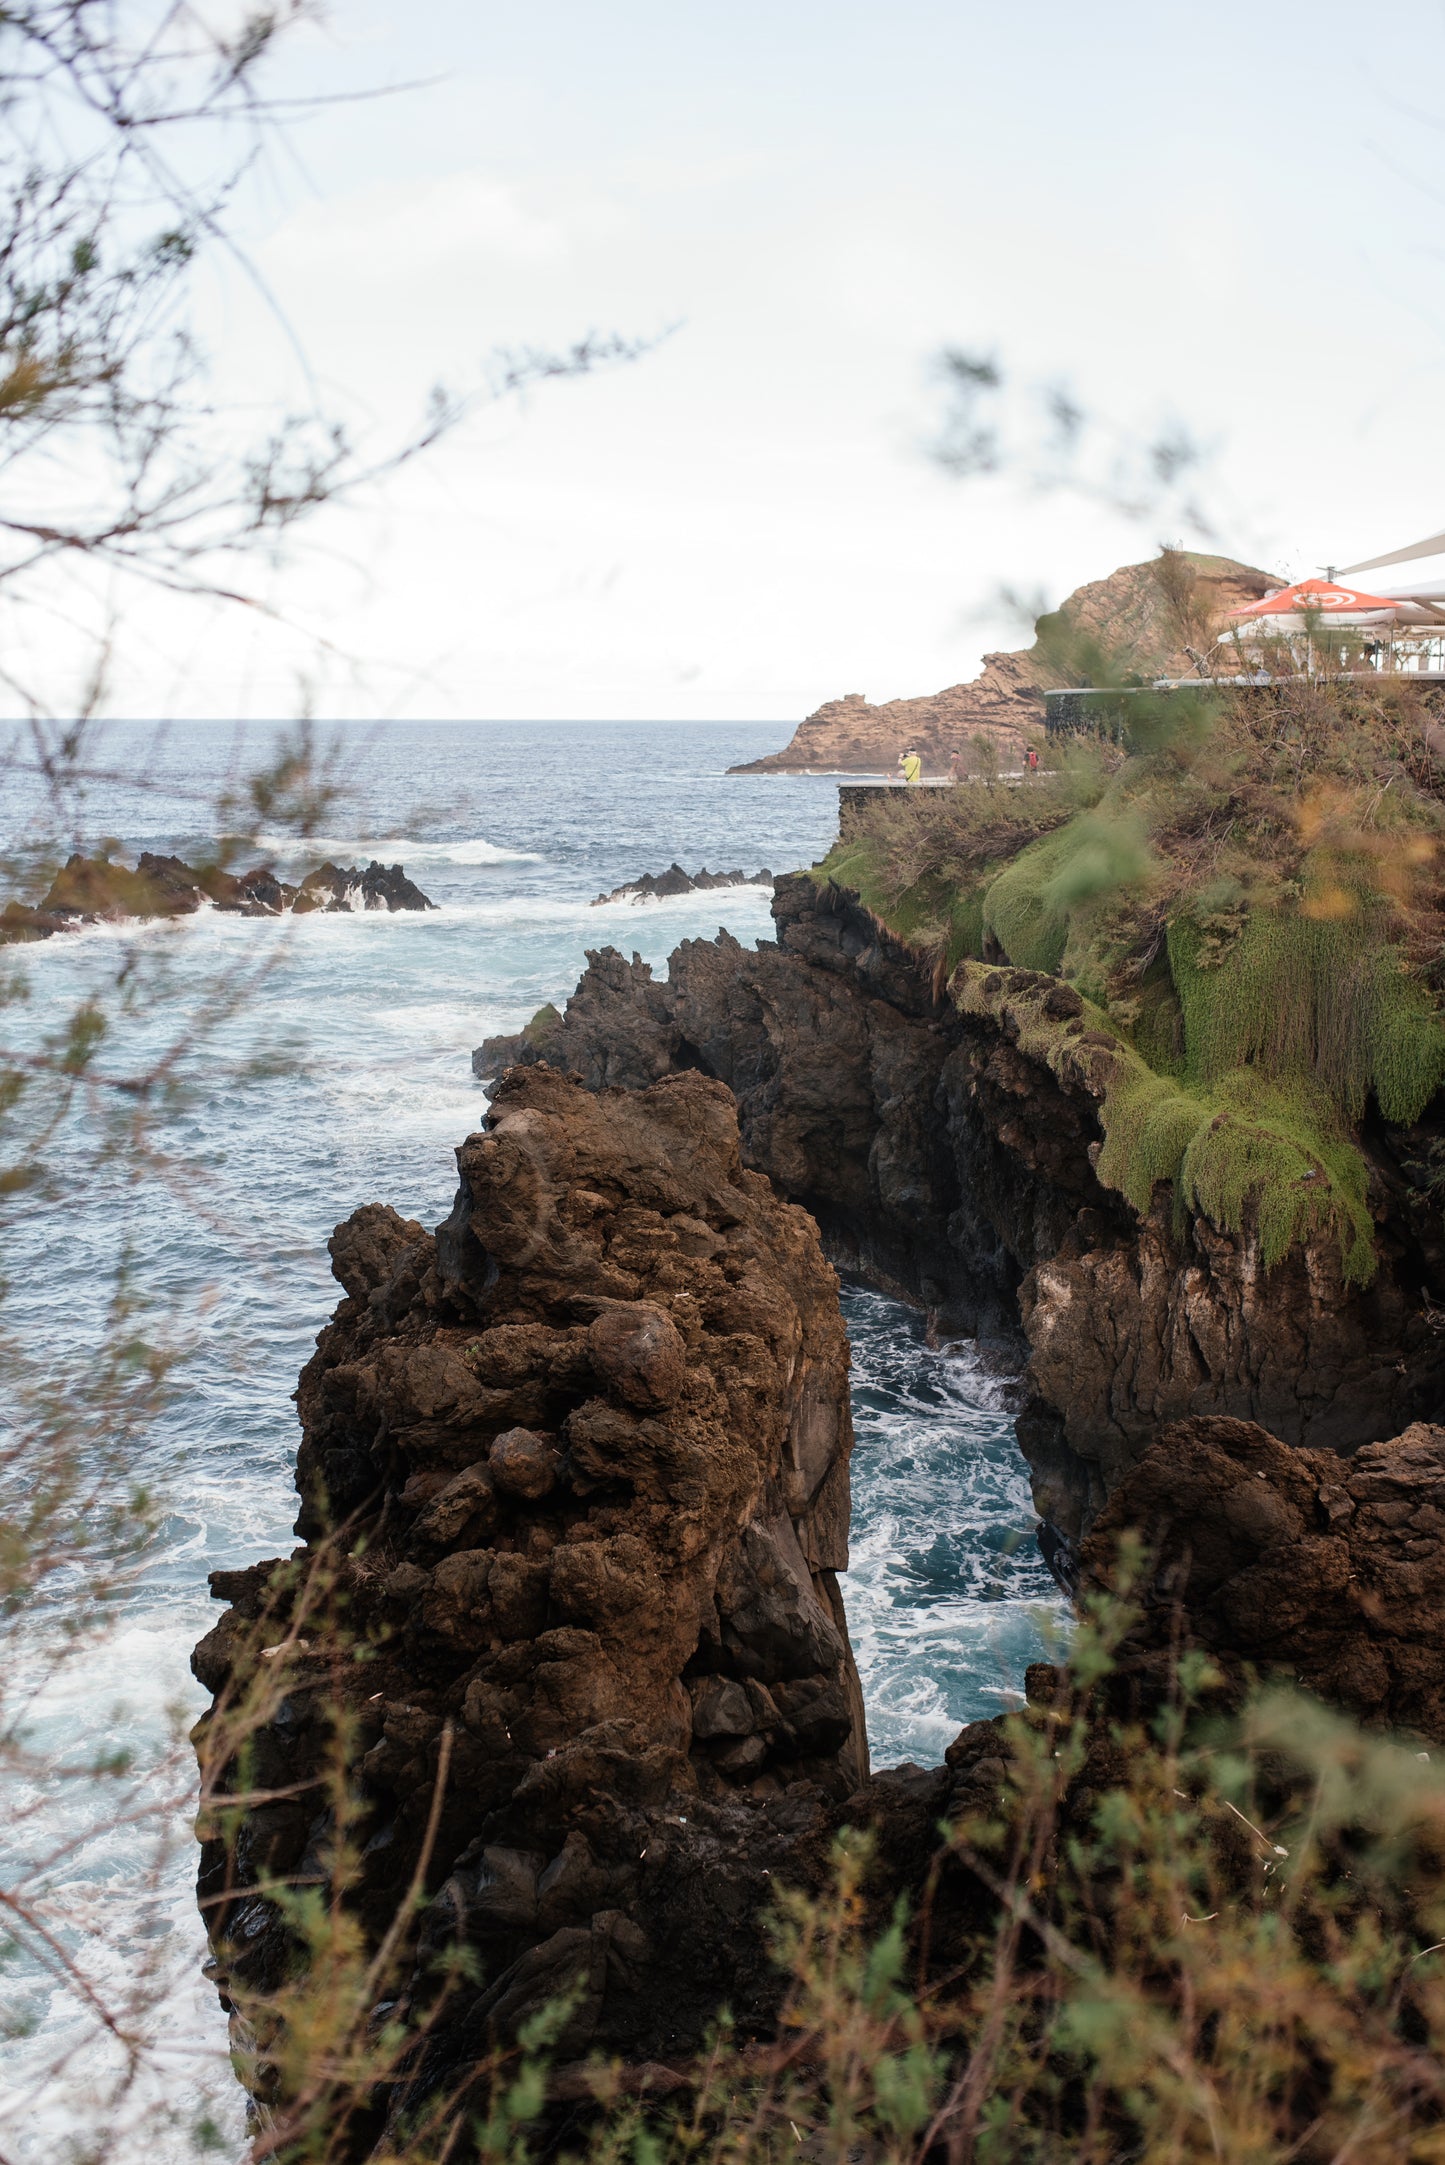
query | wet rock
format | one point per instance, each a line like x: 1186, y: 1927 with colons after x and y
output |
x: 1284, y: 1559
x: 582, y: 1463
x: 945, y: 1164
x: 347, y: 887
x: 91, y: 890
x: 662, y: 886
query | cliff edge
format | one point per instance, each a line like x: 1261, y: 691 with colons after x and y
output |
x: 1158, y: 618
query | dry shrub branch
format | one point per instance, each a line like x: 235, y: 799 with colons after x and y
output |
x: 1178, y: 1925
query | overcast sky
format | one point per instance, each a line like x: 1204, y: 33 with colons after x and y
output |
x: 1227, y: 218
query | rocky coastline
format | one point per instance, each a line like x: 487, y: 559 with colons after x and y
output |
x: 1134, y: 622
x: 945, y: 1162
x: 588, y: 1449
x: 98, y: 890
x: 575, y: 1470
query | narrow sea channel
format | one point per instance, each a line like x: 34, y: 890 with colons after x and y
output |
x: 345, y: 1077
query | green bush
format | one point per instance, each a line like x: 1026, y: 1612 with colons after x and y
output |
x: 1035, y: 902
x: 1017, y: 911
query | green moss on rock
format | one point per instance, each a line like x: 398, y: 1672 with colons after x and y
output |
x: 1323, y: 1000
x: 1251, y: 908
x: 932, y: 914
x: 542, y: 1024
x: 1248, y: 1153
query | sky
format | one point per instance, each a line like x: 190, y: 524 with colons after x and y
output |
x: 1225, y: 220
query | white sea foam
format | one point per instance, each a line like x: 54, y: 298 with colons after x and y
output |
x: 405, y: 849
x: 647, y: 901
x: 386, y: 1009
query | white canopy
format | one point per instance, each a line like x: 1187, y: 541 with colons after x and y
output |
x: 1433, y: 545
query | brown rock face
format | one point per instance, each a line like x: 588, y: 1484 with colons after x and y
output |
x: 1290, y: 1558
x: 586, y: 1455
x: 1151, y: 625
x: 943, y: 1162
x: 852, y: 736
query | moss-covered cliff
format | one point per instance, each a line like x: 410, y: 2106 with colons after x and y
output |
x: 1248, y: 904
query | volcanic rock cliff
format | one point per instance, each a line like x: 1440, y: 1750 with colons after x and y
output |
x: 944, y: 1160
x: 574, y: 1480
x: 581, y: 1461
x: 1158, y: 618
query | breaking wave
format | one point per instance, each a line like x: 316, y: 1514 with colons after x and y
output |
x: 394, y: 848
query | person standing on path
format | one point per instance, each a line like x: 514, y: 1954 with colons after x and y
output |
x: 911, y: 765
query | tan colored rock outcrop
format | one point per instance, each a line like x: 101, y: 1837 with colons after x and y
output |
x: 1153, y: 619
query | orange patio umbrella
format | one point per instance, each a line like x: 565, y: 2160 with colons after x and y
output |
x: 1323, y: 597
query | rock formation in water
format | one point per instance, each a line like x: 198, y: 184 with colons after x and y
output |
x: 662, y: 886
x: 1159, y: 618
x: 93, y: 890
x: 584, y: 1455
x: 947, y: 1162
x: 577, y: 1466
x: 579, y: 1462
x: 351, y: 887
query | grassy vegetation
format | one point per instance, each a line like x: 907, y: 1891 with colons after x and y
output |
x: 1247, y: 1150
x: 1191, y: 1929
x: 1274, y: 1146
x: 931, y: 912
x: 542, y: 1024
x: 1250, y: 899
x: 1304, y: 996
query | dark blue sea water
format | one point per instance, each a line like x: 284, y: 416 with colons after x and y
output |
x: 344, y: 1076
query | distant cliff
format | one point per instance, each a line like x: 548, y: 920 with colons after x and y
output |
x: 1158, y: 618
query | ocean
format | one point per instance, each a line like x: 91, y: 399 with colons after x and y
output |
x: 341, y: 1077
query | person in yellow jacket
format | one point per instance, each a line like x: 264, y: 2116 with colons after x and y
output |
x: 910, y: 765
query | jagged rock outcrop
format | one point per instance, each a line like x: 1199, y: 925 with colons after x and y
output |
x: 353, y: 887
x: 1287, y: 1559
x: 581, y: 1462
x: 1158, y: 618
x: 90, y: 890
x: 578, y: 1463
x: 942, y: 1160
x: 662, y: 886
